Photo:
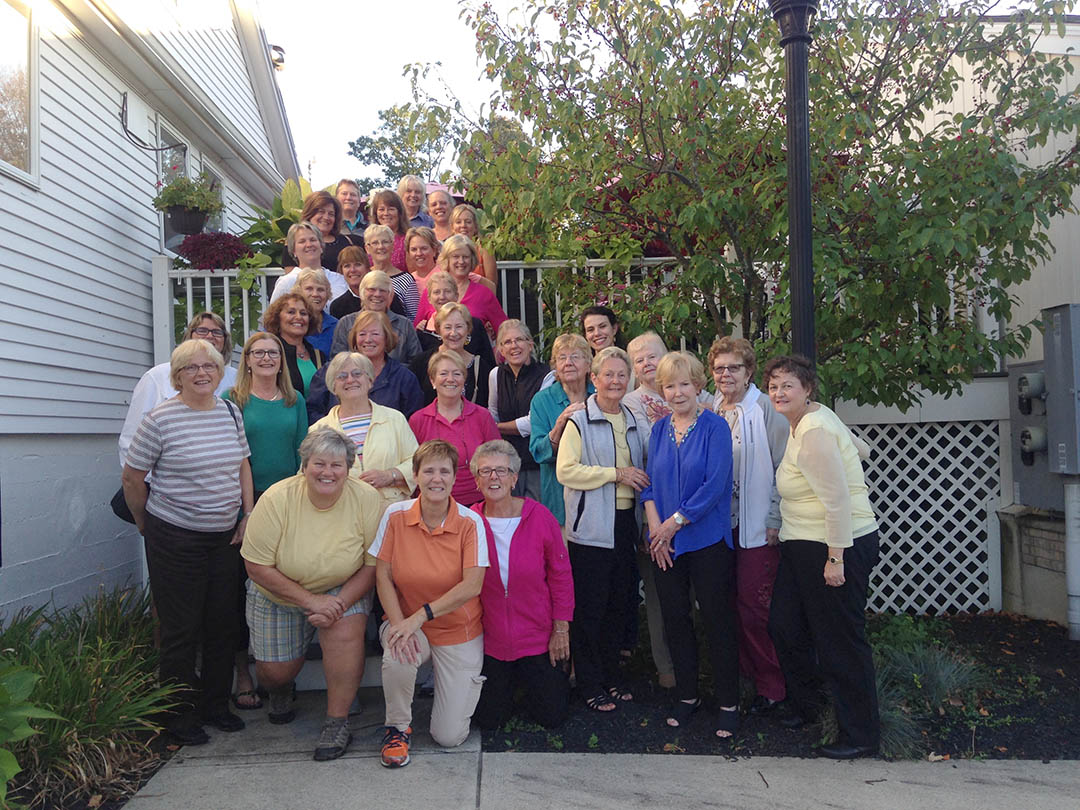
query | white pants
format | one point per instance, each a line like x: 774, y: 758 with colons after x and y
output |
x: 457, y: 686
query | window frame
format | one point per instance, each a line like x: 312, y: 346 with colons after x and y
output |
x: 31, y: 177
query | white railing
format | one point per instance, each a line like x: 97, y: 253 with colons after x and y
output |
x: 194, y: 290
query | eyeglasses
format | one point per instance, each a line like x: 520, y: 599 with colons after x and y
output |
x: 259, y: 354
x: 202, y: 331
x: 570, y: 358
x: 498, y: 472
x: 514, y: 341
x: 356, y: 374
x: 729, y: 369
x: 195, y: 368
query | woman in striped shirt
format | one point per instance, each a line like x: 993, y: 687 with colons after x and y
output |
x: 194, y: 443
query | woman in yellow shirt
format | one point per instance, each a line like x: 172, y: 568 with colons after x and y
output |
x: 828, y: 547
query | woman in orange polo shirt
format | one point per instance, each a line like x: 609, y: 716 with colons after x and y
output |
x: 430, y: 555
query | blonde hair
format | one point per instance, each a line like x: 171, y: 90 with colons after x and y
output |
x: 441, y: 276
x: 184, y: 353
x: 342, y: 359
x: 569, y: 342
x: 240, y: 393
x: 434, y: 448
x: 452, y: 357
x: 377, y: 278
x: 312, y: 274
x: 290, y: 237
x: 465, y: 208
x: 455, y: 243
x: 363, y: 319
x: 676, y: 364
x: 448, y: 309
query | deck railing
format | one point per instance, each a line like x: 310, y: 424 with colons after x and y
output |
x: 179, y: 293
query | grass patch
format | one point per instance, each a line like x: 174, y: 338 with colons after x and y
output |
x: 97, y: 664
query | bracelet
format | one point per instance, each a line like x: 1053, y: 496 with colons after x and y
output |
x: 561, y: 632
x: 427, y: 610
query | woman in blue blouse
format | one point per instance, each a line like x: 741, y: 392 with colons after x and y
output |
x: 688, y: 508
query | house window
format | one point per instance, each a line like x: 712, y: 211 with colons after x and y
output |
x: 18, y: 91
x: 173, y: 164
x: 217, y: 221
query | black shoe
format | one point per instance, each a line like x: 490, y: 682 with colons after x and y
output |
x: 189, y: 735
x: 793, y: 721
x: 841, y: 750
x: 762, y: 705
x: 224, y: 721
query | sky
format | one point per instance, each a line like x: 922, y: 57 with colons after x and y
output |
x: 344, y: 61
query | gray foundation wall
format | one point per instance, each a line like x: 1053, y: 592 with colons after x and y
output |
x: 1033, y: 563
x: 59, y: 540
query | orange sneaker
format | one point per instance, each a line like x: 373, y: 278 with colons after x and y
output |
x: 395, y: 747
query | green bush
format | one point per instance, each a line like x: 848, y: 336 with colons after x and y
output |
x: 16, y: 684
x: 97, y: 667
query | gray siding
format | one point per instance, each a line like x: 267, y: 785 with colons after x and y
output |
x: 75, y: 313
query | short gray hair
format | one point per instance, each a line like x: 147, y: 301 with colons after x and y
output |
x: 496, y: 447
x: 325, y: 441
x: 303, y: 225
x: 342, y: 359
x: 608, y: 353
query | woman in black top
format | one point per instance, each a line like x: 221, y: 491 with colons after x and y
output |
x: 292, y: 318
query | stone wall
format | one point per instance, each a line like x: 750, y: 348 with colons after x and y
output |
x: 1033, y: 563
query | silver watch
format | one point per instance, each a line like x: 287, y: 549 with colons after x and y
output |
x: 679, y: 519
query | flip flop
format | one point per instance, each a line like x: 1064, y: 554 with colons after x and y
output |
x: 244, y: 707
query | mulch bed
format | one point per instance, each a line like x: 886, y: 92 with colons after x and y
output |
x: 1029, y: 708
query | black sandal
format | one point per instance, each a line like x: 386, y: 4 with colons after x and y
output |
x: 596, y: 701
x: 620, y: 694
x: 681, y: 712
x: 727, y: 720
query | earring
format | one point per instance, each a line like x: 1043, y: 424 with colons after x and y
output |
x: 808, y: 400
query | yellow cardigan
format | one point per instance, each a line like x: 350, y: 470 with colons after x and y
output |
x: 823, y: 494
x: 390, y: 444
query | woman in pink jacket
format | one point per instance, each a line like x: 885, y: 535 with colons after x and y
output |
x: 528, y: 597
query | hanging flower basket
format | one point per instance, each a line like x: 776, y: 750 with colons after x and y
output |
x: 186, y: 220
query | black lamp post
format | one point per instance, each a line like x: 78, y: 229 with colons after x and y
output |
x: 794, y: 17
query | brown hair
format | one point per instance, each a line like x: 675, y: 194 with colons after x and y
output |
x: 196, y: 322
x: 741, y: 347
x: 272, y: 317
x: 353, y: 254
x: 387, y: 197
x: 364, y: 318
x: 794, y: 364
x: 240, y: 393
x: 320, y: 199
x: 434, y: 448
x: 422, y: 232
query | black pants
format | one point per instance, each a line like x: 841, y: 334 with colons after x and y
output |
x: 546, y: 691
x: 193, y: 580
x: 602, y: 579
x: 711, y: 573
x: 820, y: 635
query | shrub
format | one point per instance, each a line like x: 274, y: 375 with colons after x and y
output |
x: 200, y: 193
x: 98, y: 670
x: 16, y: 684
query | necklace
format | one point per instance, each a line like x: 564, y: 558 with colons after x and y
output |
x: 679, y: 436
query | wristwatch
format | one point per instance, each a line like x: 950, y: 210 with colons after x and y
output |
x: 836, y: 560
x: 679, y: 519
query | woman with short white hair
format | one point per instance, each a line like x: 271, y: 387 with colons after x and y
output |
x: 194, y: 444
x: 384, y: 442
x: 314, y: 286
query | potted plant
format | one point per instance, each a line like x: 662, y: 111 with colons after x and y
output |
x: 189, y: 202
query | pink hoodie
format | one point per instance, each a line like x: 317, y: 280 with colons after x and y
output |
x: 540, y: 589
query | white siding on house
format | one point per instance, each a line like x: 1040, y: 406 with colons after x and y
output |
x: 75, y: 313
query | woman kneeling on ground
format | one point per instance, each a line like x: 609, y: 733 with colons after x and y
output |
x: 527, y: 629
x: 431, y: 554
x: 306, y: 549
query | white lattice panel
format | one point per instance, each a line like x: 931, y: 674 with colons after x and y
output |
x: 929, y: 484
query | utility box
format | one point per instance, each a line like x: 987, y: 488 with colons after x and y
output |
x: 1033, y: 482
x: 1061, y: 334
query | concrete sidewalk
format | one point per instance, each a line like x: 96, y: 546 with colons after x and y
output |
x: 269, y: 767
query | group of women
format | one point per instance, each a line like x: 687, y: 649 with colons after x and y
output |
x: 504, y: 525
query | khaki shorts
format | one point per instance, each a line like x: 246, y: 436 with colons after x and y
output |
x: 283, y: 633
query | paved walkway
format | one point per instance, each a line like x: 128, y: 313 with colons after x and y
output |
x: 268, y: 767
